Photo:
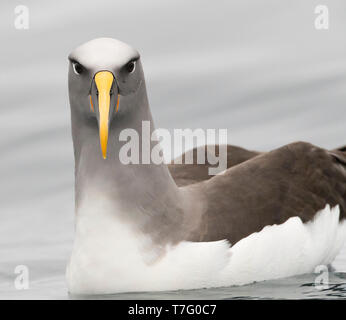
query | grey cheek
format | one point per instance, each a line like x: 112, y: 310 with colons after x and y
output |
x: 129, y: 86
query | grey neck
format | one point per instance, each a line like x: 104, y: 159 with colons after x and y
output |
x: 144, y: 195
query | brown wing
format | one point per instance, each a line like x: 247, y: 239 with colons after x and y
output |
x: 296, y: 180
x: 186, y: 174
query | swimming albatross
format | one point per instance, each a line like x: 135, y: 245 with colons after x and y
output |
x: 275, y: 215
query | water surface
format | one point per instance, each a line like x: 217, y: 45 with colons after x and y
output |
x: 257, y: 68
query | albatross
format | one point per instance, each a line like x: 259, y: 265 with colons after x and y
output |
x: 151, y: 227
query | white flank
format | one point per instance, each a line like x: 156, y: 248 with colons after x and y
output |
x: 108, y: 257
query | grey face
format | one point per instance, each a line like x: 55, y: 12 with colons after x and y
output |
x: 102, y: 73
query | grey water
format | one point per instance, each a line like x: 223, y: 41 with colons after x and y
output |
x: 257, y: 68
x: 298, y: 287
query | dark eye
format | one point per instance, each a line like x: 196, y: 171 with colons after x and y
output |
x: 131, y: 66
x: 77, y: 68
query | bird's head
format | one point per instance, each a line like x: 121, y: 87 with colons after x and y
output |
x: 103, y: 74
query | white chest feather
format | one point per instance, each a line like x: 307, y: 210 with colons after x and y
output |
x: 109, y: 257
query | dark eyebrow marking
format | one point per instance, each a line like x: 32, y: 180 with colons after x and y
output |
x: 136, y: 58
x: 74, y: 61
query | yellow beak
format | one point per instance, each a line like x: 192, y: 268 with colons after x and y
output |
x: 104, y: 81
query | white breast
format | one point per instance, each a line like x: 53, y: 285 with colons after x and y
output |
x: 109, y: 257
